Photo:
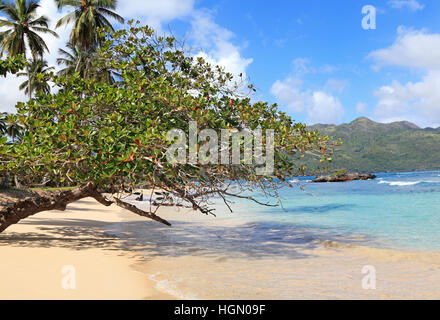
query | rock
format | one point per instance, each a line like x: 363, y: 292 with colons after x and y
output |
x: 344, y: 177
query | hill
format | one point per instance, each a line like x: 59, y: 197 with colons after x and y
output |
x: 369, y: 146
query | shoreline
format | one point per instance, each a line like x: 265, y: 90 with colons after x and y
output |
x: 211, y: 259
x: 38, y: 255
x: 118, y: 255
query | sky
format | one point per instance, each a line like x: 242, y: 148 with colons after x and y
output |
x: 320, y: 61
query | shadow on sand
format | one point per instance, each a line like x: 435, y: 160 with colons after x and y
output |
x: 150, y: 239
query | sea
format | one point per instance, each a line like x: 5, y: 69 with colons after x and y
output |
x: 315, y: 246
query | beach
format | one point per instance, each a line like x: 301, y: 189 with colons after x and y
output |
x: 35, y: 253
x: 240, y: 255
x: 225, y: 258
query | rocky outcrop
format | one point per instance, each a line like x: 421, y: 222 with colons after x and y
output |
x: 344, y: 177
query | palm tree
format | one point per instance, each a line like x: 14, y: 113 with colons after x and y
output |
x: 14, y: 131
x: 23, y: 27
x: 10, y: 127
x: 36, y: 66
x: 88, y: 17
x: 3, y: 127
x: 85, y: 62
x: 75, y: 60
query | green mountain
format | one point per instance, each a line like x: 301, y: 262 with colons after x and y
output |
x: 369, y: 146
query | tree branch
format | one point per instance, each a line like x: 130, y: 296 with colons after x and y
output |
x: 52, y: 201
x: 136, y: 210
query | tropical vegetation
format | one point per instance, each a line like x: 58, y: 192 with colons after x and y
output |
x: 105, y: 129
x: 37, y: 73
x: 369, y: 146
x: 23, y: 28
x: 88, y: 18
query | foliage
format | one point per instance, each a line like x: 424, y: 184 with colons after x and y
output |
x: 75, y: 59
x: 115, y: 134
x: 37, y: 74
x: 375, y: 147
x: 23, y: 27
x: 339, y: 172
x: 12, y: 64
x: 88, y: 17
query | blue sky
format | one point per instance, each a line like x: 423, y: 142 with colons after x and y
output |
x: 312, y: 57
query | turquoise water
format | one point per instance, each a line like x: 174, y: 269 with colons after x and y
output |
x: 270, y: 253
x: 398, y: 210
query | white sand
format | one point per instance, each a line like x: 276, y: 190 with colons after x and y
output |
x: 34, y: 252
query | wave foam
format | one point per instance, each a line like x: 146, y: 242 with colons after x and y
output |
x: 401, y: 183
x: 169, y: 287
x: 406, y: 183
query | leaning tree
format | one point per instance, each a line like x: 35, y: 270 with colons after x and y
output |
x: 103, y: 137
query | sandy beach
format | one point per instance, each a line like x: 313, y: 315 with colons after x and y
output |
x: 38, y: 254
x: 118, y: 255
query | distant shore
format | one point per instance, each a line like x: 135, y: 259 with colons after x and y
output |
x: 369, y: 172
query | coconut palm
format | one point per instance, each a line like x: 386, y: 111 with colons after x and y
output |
x: 88, y: 17
x: 36, y: 66
x: 3, y: 123
x: 85, y: 62
x: 23, y: 29
x: 14, y: 131
x: 10, y: 127
x: 74, y: 59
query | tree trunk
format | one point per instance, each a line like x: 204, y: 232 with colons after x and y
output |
x: 18, y: 185
x: 27, y: 207
x: 30, y: 206
x: 5, y: 182
x: 29, y: 77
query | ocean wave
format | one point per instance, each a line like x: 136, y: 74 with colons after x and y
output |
x: 400, y: 183
x: 405, y: 183
x: 170, y: 288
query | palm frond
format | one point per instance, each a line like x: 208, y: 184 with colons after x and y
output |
x: 31, y: 7
x: 111, y: 14
x: 45, y: 30
x: 6, y: 23
x: 42, y: 21
x: 67, y: 3
x: 10, y: 11
x: 36, y: 44
x: 67, y: 19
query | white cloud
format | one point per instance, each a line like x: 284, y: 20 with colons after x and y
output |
x: 10, y: 93
x: 412, y: 5
x: 417, y: 101
x: 319, y: 106
x: 412, y: 48
x: 289, y: 93
x: 154, y: 12
x: 216, y: 44
x: 325, y: 108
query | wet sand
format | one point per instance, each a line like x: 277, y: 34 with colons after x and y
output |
x: 228, y: 258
